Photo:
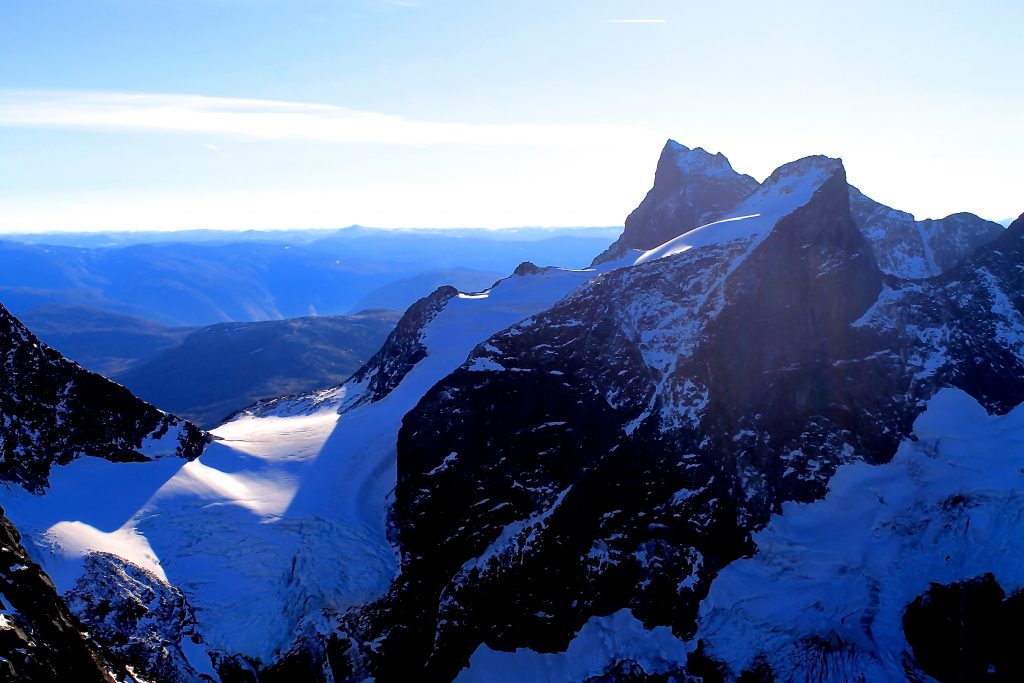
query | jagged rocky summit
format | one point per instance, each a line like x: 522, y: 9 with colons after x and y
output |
x: 54, y: 411
x: 913, y: 249
x: 691, y: 187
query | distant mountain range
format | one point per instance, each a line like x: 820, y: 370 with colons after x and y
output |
x: 206, y: 373
x: 302, y: 236
x: 102, y: 341
x: 200, y: 280
x: 223, y: 368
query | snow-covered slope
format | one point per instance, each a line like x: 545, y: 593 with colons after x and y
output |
x: 600, y: 644
x: 831, y: 580
x: 282, y: 521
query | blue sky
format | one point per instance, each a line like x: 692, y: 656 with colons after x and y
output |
x: 163, y: 114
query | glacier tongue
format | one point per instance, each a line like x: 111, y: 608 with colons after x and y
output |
x: 283, y: 517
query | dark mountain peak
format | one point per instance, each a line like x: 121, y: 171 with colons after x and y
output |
x: 691, y: 187
x: 527, y: 268
x: 403, y: 348
x: 55, y: 411
x: 691, y: 161
x: 1016, y: 228
x: 821, y: 276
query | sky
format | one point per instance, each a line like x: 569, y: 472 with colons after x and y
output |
x: 270, y: 114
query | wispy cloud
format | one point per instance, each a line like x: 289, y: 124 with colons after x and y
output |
x: 636, y: 21
x: 278, y: 120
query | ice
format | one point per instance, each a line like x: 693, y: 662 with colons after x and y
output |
x: 948, y: 507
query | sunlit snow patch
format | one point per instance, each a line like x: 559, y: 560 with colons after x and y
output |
x: 284, y: 514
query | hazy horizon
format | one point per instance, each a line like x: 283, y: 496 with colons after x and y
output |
x: 266, y: 114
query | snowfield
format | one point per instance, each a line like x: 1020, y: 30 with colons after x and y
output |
x: 948, y: 507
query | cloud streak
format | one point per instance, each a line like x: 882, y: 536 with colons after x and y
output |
x: 279, y: 120
x: 636, y: 21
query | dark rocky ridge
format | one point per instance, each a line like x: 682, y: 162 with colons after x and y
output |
x: 967, y: 631
x: 141, y: 620
x: 908, y: 248
x: 403, y: 349
x: 535, y: 497
x: 691, y: 188
x: 40, y: 640
x: 54, y: 411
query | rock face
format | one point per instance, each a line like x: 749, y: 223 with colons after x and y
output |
x: 913, y: 249
x: 963, y: 631
x: 691, y: 187
x: 54, y: 411
x: 140, y: 619
x: 619, y: 449
x: 404, y: 346
x: 40, y: 640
